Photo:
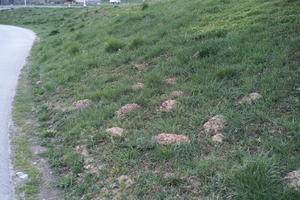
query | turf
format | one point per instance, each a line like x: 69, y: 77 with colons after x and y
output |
x: 219, y: 50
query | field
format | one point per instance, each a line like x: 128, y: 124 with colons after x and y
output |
x: 214, y: 52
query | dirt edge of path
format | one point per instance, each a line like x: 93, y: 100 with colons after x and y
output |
x: 23, y: 135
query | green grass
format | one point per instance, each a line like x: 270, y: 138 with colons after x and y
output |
x: 23, y: 134
x: 219, y: 50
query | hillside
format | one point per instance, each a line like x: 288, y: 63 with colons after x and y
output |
x: 213, y: 53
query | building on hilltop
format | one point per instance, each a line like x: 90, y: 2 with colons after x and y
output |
x: 30, y: 2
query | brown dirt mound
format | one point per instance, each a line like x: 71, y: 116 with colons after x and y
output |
x: 126, y: 109
x: 115, y: 131
x: 250, y: 98
x: 168, y: 138
x: 139, y: 67
x: 167, y: 105
x: 293, y: 179
x: 214, y: 124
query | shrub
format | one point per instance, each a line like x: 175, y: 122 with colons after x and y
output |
x: 136, y: 42
x: 145, y: 6
x: 114, y: 45
x: 154, y: 79
x: 54, y: 32
x: 73, y: 48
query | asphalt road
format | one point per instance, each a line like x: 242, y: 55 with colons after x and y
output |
x: 15, y: 45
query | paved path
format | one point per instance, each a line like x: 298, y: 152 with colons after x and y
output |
x: 15, y: 44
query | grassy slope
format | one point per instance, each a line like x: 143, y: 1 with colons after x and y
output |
x: 244, y: 46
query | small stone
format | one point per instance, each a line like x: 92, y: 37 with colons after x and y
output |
x: 126, y: 109
x: 171, y: 81
x: 167, y: 105
x: 293, y: 179
x: 177, y: 93
x: 168, y: 138
x: 214, y: 124
x: 39, y: 82
x: 218, y: 138
x: 138, y: 86
x: 22, y: 175
x: 115, y: 131
x: 250, y: 98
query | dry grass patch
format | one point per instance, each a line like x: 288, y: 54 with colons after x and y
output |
x: 168, y: 138
x: 171, y: 81
x: 126, y: 109
x: 138, y: 86
x: 74, y: 106
x: 250, y: 98
x: 177, y: 93
x: 139, y: 67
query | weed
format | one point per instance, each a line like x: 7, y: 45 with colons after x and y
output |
x: 73, y: 48
x: 136, y: 42
x: 145, y: 6
x: 259, y: 179
x: 114, y: 45
x: 54, y: 32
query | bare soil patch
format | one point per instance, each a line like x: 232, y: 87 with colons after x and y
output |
x: 214, y: 124
x: 293, y: 179
x: 126, y: 109
x: 168, y: 138
x: 115, y: 131
x: 167, y: 105
x: 250, y: 98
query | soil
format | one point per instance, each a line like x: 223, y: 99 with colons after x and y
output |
x: 46, y: 189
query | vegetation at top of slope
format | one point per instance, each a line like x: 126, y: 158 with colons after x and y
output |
x: 217, y: 51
